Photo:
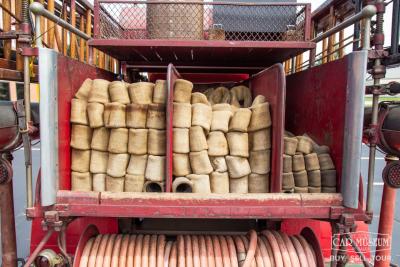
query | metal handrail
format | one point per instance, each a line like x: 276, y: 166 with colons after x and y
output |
x: 366, y: 13
x: 39, y: 10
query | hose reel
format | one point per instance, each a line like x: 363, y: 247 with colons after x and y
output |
x: 267, y: 248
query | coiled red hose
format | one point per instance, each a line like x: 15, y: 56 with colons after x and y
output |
x: 269, y: 249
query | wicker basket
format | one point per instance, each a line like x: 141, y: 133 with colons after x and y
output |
x: 175, y: 20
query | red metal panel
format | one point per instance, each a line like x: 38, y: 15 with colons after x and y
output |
x: 271, y: 84
x: 315, y: 104
x: 71, y: 74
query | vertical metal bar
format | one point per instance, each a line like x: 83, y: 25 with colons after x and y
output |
x: 293, y: 66
x: 27, y: 109
x: 101, y: 59
x: 88, y: 31
x: 307, y: 30
x: 27, y: 97
x: 64, y: 31
x: 96, y: 24
x: 91, y: 59
x: 312, y: 51
x: 48, y: 107
x: 372, y: 154
x: 341, y: 43
x: 42, y: 21
x: 6, y: 28
x: 18, y: 13
x: 358, y: 6
x: 374, y: 121
x: 58, y: 38
x: 73, y: 23
x: 286, y: 66
x: 324, y: 51
x: 366, y: 34
x: 299, y: 61
x: 331, y: 39
x: 50, y: 25
x: 394, y: 47
x: 81, y: 41
x: 38, y: 37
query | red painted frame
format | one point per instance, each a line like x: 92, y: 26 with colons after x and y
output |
x: 213, y: 206
x: 205, y: 53
x: 301, y: 88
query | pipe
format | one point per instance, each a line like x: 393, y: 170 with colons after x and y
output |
x: 39, y: 10
x: 8, y: 239
x: 27, y: 146
x: 372, y: 154
x: 38, y: 34
x: 385, y: 229
x: 27, y: 105
x: 374, y: 117
x: 43, y: 242
x: 367, y: 37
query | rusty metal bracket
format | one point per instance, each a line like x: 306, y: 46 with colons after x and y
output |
x: 374, y: 54
x: 391, y: 88
x: 29, y: 51
x: 52, y: 221
x: 10, y: 35
x: 347, y: 220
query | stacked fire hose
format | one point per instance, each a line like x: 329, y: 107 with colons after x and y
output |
x: 118, y: 136
x: 221, y: 141
x: 212, y: 149
x: 270, y: 248
x: 307, y: 167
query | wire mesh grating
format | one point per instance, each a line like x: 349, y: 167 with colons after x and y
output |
x: 198, y: 20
